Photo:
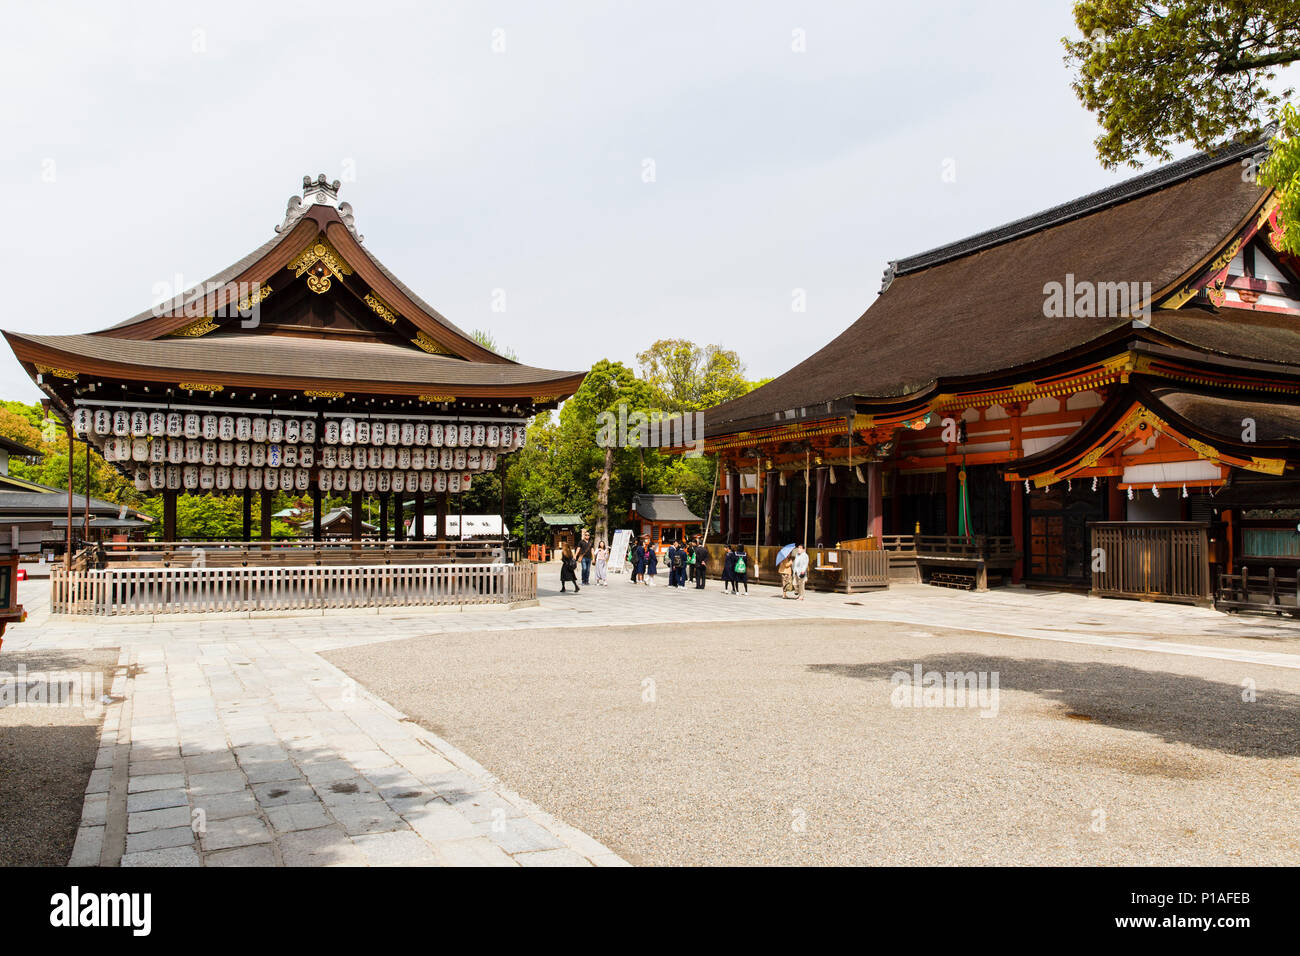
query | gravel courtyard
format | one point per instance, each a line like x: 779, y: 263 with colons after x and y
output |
x: 776, y: 742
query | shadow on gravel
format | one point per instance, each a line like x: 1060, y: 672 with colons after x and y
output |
x: 1180, y: 709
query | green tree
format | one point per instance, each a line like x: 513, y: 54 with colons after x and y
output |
x: 1196, y: 71
x: 685, y: 377
x: 1282, y: 171
x: 486, y: 339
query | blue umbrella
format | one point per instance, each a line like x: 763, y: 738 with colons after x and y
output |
x: 784, y: 553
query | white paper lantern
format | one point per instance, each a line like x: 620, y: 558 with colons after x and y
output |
x: 306, y: 456
x: 494, y: 435
x: 374, y: 458
x: 451, y: 436
x: 331, y: 431
x: 308, y: 432
x: 399, y: 482
x: 139, y: 424
x: 103, y: 421
x: 466, y: 436
x: 408, y: 433
x: 453, y: 482
x: 207, y: 478
x: 489, y: 459
x: 422, y: 433
x: 345, y: 456
x: 273, y: 457
x: 289, y: 456
x: 507, y: 437
x: 239, y: 478
x: 404, y: 458
x: 384, y: 482
x: 292, y: 431
x: 275, y: 430
x: 226, y: 453
x: 141, y: 479
x: 392, y: 433
x: 140, y: 449
x: 175, y: 425
x: 210, y: 427
x: 446, y: 458
x: 210, y: 453
x: 521, y: 436
x: 157, y: 477
x: 341, y: 480
x: 324, y: 480
x: 478, y: 435
x: 376, y: 433
x: 254, y: 479
x: 121, y: 423
x: 474, y: 459
x: 158, y: 450
x: 190, y: 477
x: 440, y: 481
x: 176, y: 450
x: 390, y: 458
x: 287, y: 478
x: 362, y: 434
x: 242, y: 455
x: 157, y: 424
x: 193, y: 451
x: 223, y: 478
x: 259, y: 430
x: 347, y: 431
x: 302, y: 479
x: 435, y: 434
x: 465, y: 480
x: 173, y: 477
x: 329, y: 457
x: 226, y: 428
x: 257, y: 455
x: 458, y: 460
x: 193, y: 425
x: 354, y: 481
x: 243, y: 428
x: 271, y: 479
x: 426, y: 481
x: 417, y: 459
x: 368, y: 481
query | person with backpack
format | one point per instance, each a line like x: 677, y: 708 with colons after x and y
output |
x: 701, y: 565
x: 690, y: 560
x: 651, y: 562
x: 728, y: 561
x: 740, y: 570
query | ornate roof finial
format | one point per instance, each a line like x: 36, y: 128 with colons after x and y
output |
x: 888, y: 278
x: 318, y: 192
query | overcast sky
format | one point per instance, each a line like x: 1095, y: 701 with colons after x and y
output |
x: 507, y: 146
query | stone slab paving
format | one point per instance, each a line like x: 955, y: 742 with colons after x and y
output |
x: 233, y: 742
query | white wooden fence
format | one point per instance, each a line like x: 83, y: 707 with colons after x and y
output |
x: 140, y: 590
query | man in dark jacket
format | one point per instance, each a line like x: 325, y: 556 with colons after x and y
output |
x: 584, y: 555
x: 701, y: 565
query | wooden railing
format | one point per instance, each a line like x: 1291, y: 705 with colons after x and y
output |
x: 116, y: 591
x: 990, y: 547
x: 829, y: 569
x: 1263, y: 593
x: 294, y: 553
x: 1151, y: 560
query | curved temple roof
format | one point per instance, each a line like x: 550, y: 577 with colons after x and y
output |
x: 976, y: 307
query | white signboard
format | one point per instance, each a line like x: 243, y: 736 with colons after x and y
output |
x: 618, y: 551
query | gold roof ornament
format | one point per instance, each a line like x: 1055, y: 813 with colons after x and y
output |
x: 429, y: 344
x: 381, y: 308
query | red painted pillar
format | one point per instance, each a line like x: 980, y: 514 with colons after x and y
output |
x: 950, y: 500
x: 1115, y: 505
x: 875, y: 501
x: 773, y: 490
x: 1018, y: 530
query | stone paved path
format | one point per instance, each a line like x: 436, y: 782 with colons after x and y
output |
x: 232, y: 742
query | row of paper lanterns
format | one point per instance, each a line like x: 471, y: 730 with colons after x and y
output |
x: 222, y: 478
x: 192, y: 451
x: 122, y: 423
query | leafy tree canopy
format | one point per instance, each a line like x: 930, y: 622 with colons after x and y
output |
x: 685, y: 377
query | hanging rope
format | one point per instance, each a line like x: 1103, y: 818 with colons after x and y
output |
x: 717, y: 470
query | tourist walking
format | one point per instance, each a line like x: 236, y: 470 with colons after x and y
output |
x: 602, y: 564
x: 568, y: 568
x: 638, y: 561
x: 800, y: 570
x: 728, y: 562
x: 651, y: 562
x: 584, y: 555
x: 701, y: 565
x: 739, y: 570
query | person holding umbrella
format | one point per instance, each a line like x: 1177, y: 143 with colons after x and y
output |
x: 785, y: 568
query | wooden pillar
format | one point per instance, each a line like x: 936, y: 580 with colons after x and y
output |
x: 248, y: 514
x: 266, y: 515
x: 317, y: 500
x: 733, y: 507
x: 419, y: 516
x: 383, y: 517
x: 1115, y: 503
x: 875, y: 501
x: 950, y: 500
x: 169, y: 516
x: 821, y: 523
x: 772, y: 539
x: 896, y: 508
x: 399, y: 531
x: 441, y: 530
x: 1018, y: 530
x: 357, y: 503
